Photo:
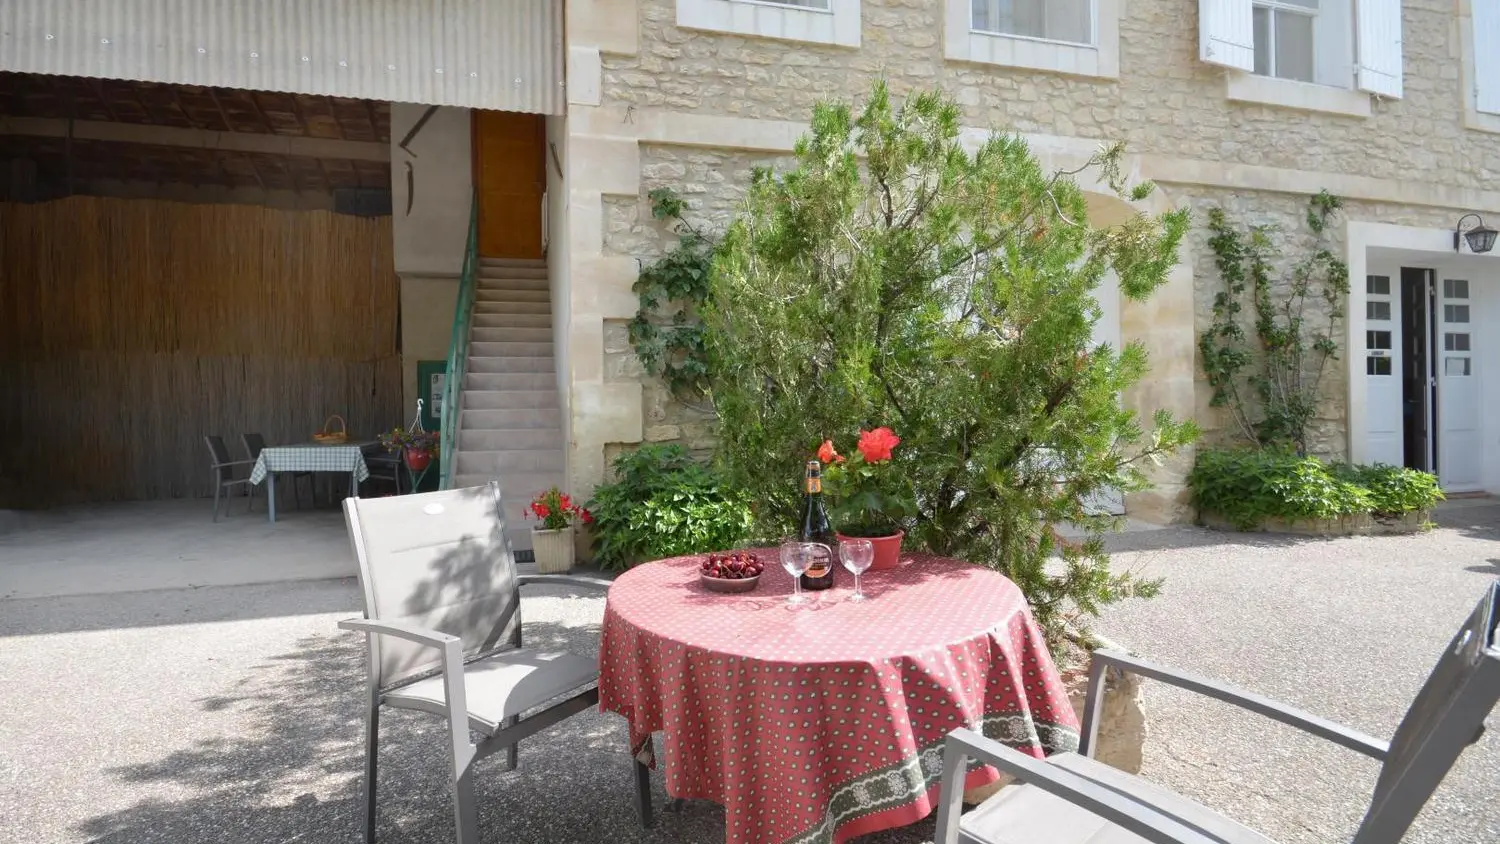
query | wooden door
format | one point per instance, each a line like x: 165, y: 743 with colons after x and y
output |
x: 510, y: 164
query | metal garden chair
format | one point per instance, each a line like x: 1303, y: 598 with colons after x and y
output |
x: 224, y: 472
x: 254, y: 444
x: 1070, y: 799
x: 443, y: 625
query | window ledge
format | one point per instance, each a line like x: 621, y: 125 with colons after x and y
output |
x: 961, y: 43
x: 1480, y: 121
x: 838, y: 24
x: 1304, y: 96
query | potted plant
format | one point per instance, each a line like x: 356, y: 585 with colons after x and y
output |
x: 552, y: 537
x: 869, y: 496
x: 417, y: 447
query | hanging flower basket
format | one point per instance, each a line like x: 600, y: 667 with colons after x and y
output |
x: 417, y: 459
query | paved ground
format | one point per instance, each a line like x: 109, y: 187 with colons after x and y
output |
x: 231, y: 713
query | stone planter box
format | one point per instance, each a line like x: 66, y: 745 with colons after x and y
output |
x: 1122, y: 727
x: 1365, y: 524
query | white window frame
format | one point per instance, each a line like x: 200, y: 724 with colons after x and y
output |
x: 1473, y: 117
x: 1334, y: 90
x: 839, y: 24
x: 1100, y: 59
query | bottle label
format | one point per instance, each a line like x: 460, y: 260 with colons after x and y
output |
x: 814, y: 485
x: 822, y: 561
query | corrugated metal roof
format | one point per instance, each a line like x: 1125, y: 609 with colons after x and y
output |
x: 499, y: 54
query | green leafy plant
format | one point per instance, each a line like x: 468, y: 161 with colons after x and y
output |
x: 1393, y: 489
x: 1270, y: 388
x: 895, y: 277
x: 1249, y: 486
x: 662, y: 503
x: 666, y: 332
x: 869, y: 494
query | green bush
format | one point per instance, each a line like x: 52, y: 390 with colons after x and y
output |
x: 1249, y: 486
x: 1393, y: 489
x: 663, y: 503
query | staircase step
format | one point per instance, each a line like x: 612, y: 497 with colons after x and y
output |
x: 483, y: 420
x: 509, y: 381
x: 489, y: 320
x: 529, y: 282
x: 514, y: 485
x: 503, y: 334
x: 504, y: 463
x: 507, y: 349
x: 543, y: 439
x: 485, y: 293
x: 493, y: 306
x: 519, y: 400
x: 510, y: 364
x: 513, y: 262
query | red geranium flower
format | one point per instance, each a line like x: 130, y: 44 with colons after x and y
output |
x: 586, y: 516
x: 541, y: 510
x: 875, y: 446
x: 565, y: 502
x: 827, y: 454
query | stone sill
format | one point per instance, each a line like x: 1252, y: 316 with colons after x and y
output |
x: 1303, y: 96
x: 1360, y: 525
x: 1480, y: 121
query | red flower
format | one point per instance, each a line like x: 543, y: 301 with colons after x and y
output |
x: 541, y: 510
x: 586, y: 516
x: 827, y: 454
x: 875, y: 446
x: 565, y: 502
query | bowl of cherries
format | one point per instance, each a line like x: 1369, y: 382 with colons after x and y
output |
x: 736, y: 571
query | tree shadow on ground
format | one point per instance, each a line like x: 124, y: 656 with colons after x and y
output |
x: 1193, y: 536
x: 293, y: 775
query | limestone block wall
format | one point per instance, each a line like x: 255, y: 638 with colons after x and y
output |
x: 1165, y: 101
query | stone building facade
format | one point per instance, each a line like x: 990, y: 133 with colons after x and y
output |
x: 1388, y: 104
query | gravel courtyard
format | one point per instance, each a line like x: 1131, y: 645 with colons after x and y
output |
x: 232, y: 713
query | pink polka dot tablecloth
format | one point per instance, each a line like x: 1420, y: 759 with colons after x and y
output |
x: 825, y: 721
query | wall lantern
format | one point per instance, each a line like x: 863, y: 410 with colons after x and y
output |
x: 1481, y: 238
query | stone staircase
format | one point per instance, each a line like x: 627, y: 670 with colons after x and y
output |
x: 510, y: 422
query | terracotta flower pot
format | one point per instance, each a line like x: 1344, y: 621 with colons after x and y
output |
x: 416, y: 460
x: 887, y: 549
x: 553, y: 548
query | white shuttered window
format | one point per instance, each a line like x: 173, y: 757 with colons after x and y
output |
x: 1226, y: 33
x: 1379, y: 26
x: 1487, y: 56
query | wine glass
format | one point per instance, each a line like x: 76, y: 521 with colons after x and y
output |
x: 857, y: 555
x: 795, y: 558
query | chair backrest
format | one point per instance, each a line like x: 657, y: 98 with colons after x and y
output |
x: 253, y: 444
x: 439, y: 560
x: 216, y: 449
x: 1446, y: 717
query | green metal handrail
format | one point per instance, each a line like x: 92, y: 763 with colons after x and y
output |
x: 458, y: 353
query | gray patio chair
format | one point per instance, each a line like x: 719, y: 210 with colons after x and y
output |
x: 224, y: 472
x: 254, y: 444
x: 443, y: 625
x: 383, y: 465
x: 1070, y: 799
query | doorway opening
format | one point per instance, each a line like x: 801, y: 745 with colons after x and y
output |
x: 1417, y: 385
x: 510, y: 174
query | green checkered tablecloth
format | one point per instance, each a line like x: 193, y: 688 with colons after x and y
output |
x: 311, y: 458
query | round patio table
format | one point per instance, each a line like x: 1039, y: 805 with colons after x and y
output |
x: 824, y: 721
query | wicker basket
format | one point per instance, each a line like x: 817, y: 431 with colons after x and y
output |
x: 328, y: 436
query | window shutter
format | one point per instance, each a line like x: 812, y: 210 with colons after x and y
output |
x: 1379, y: 28
x: 1226, y: 33
x: 1486, y: 48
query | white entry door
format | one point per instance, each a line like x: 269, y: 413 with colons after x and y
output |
x: 1459, y: 441
x: 1383, y: 392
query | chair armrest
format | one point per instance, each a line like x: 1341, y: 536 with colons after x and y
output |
x: 564, y: 580
x: 1129, y: 813
x: 1275, y: 710
x: 400, y: 630
x: 456, y: 695
x: 233, y: 463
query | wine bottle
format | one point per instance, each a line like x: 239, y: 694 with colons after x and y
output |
x: 815, y: 530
